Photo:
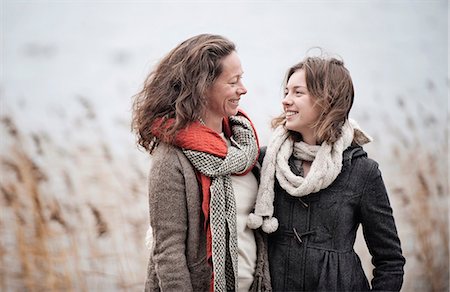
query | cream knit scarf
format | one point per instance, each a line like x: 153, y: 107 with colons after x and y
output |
x: 326, y: 165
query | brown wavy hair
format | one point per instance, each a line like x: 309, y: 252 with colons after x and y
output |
x: 330, y: 84
x: 175, y: 89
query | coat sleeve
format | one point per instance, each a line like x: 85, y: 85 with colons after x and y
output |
x: 168, y: 219
x: 380, y: 233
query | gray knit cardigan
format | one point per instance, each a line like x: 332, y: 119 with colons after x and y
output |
x: 178, y: 255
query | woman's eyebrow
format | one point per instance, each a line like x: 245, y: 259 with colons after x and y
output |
x: 296, y: 86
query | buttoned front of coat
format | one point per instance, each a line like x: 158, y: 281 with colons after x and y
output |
x: 312, y: 250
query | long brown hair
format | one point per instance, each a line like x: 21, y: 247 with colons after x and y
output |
x: 330, y: 84
x: 175, y: 89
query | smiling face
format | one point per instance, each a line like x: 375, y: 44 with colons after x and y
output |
x: 300, y: 107
x: 224, y: 94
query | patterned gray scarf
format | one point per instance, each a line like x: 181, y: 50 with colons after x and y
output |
x: 241, y: 155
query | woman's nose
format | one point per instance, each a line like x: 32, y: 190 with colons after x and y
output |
x: 286, y: 100
x: 242, y: 90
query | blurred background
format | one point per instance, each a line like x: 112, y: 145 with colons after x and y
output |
x: 73, y: 194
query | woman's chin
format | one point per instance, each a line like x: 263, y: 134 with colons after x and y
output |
x: 291, y: 127
x: 232, y: 112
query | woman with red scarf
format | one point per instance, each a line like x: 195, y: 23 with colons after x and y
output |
x: 204, y: 176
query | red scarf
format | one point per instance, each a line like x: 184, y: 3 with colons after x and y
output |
x: 201, y: 138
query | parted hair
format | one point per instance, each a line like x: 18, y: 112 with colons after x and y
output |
x: 175, y: 90
x: 330, y: 84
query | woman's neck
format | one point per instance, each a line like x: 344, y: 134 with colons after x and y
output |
x: 214, y: 124
x: 309, y: 138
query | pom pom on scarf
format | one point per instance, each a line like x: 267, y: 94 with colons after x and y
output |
x: 254, y: 221
x: 270, y: 225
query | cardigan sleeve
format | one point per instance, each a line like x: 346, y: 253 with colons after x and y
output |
x: 168, y: 219
x: 380, y: 233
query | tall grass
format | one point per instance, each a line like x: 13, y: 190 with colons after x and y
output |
x: 74, y: 216
x: 424, y: 207
x: 422, y: 197
x: 71, y: 219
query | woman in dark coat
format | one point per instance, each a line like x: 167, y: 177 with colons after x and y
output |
x: 318, y: 186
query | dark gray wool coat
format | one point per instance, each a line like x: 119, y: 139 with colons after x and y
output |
x: 312, y: 250
x: 178, y: 258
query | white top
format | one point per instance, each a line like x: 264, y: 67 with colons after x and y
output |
x: 245, y: 188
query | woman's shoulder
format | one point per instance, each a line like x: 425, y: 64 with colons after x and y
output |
x: 169, y: 157
x: 165, y: 150
x: 356, y: 158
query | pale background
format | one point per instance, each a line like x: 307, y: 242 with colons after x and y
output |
x: 73, y: 184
